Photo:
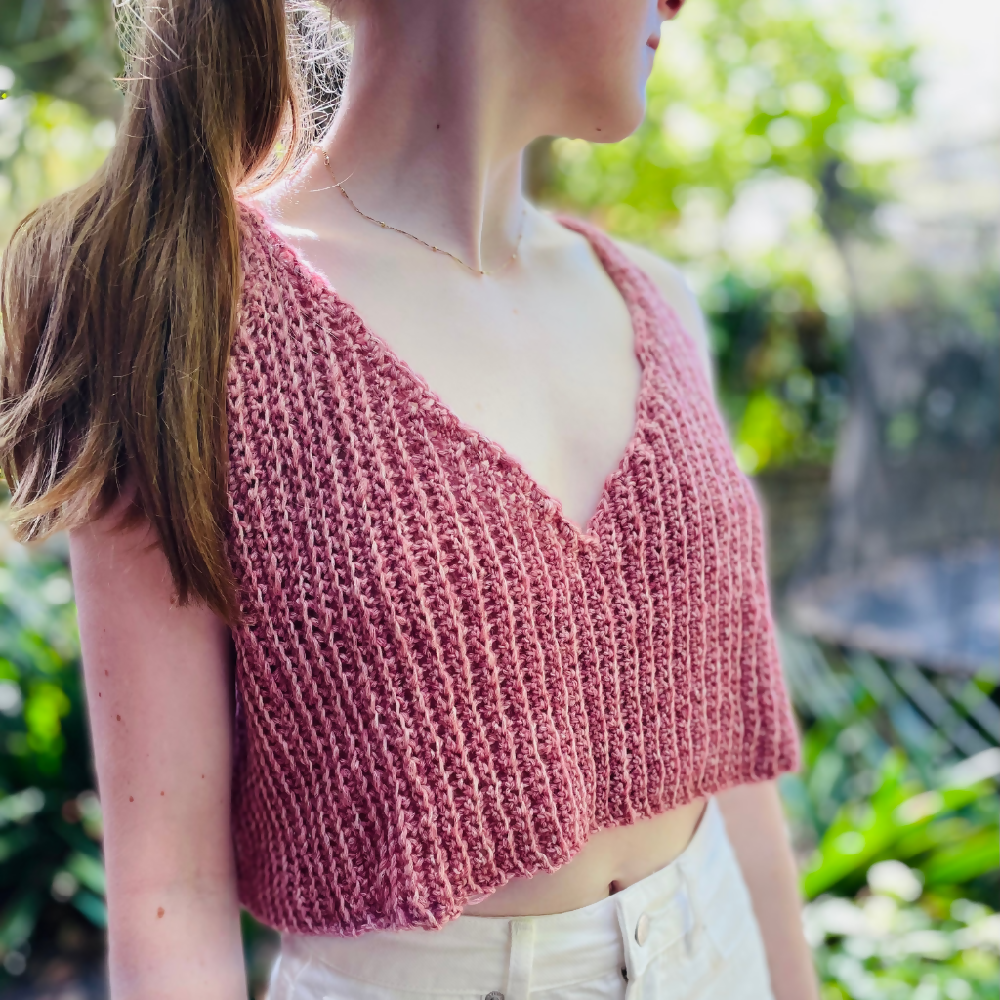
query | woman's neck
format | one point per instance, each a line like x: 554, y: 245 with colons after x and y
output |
x: 431, y: 129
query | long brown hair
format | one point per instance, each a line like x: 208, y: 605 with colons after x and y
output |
x: 119, y: 298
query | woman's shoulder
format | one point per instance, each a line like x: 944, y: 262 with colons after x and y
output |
x: 252, y: 219
x: 665, y: 277
x: 673, y: 286
x: 273, y: 269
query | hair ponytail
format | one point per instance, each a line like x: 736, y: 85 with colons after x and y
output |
x: 119, y: 298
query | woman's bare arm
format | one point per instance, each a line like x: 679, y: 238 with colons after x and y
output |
x: 158, y: 682
x: 757, y: 831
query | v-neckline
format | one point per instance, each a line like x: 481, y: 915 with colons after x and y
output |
x: 615, y: 265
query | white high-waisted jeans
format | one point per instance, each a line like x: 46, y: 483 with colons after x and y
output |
x: 686, y: 932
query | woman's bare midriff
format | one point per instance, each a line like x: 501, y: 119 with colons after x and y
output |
x: 610, y: 861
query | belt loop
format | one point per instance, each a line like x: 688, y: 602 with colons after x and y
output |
x: 522, y: 950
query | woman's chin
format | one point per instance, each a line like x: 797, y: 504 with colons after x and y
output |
x: 620, y: 125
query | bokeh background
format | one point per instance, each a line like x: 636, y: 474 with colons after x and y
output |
x: 827, y: 174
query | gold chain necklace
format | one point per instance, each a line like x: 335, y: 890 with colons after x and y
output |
x: 430, y: 246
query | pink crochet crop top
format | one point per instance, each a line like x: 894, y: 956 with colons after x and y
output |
x: 443, y: 683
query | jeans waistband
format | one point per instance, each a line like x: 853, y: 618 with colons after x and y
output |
x: 626, y: 929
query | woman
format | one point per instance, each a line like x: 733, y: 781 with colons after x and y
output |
x: 457, y: 723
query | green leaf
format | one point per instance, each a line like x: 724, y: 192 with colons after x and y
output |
x: 19, y: 918
x: 963, y: 861
x: 92, y: 907
x: 15, y: 841
x: 88, y: 870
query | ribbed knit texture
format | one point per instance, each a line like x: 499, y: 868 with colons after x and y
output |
x: 442, y: 682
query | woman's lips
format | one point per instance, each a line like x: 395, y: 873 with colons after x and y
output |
x: 674, y: 6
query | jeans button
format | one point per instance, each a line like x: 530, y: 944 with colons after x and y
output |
x: 642, y: 929
x: 494, y: 995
